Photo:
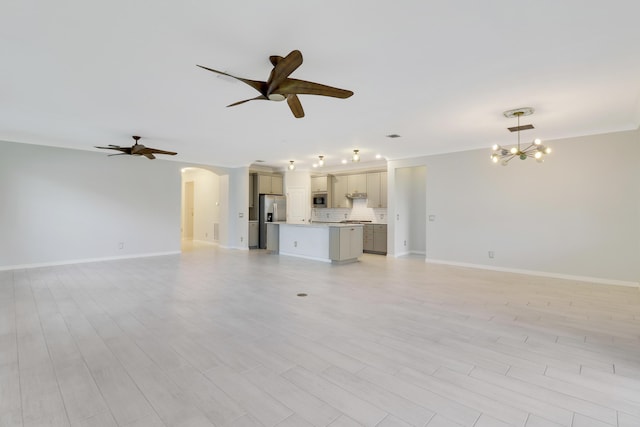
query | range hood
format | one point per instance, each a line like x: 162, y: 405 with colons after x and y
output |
x: 357, y: 196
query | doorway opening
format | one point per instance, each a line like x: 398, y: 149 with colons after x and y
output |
x: 200, y: 208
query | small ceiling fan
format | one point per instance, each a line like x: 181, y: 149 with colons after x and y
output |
x: 137, y: 150
x: 280, y: 87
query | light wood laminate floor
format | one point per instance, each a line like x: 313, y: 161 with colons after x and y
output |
x: 219, y: 337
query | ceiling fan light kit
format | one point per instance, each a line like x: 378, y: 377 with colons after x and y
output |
x: 535, y: 149
x: 280, y: 86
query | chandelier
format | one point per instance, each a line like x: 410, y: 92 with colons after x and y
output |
x: 535, y: 149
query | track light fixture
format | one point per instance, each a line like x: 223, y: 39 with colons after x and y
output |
x: 291, y: 165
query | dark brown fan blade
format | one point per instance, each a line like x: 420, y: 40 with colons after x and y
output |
x: 125, y: 150
x: 257, y: 85
x: 149, y: 156
x: 274, y: 59
x: 295, y: 105
x: 247, y: 100
x: 156, y: 151
x: 282, y: 68
x: 302, y: 87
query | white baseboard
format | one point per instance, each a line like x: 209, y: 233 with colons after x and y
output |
x: 239, y: 248
x: 399, y: 254
x: 598, y: 280
x: 305, y: 257
x: 83, y: 261
x: 205, y: 242
x: 405, y: 253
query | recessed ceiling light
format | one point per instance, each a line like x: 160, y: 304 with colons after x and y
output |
x: 259, y: 161
x: 378, y: 156
x: 344, y: 161
x: 393, y: 135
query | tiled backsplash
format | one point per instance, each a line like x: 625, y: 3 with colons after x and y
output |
x: 359, y: 212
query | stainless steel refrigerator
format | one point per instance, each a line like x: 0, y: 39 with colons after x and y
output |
x: 272, y: 209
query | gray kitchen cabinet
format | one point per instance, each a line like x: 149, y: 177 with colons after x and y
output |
x: 375, y: 239
x: 377, y: 190
x: 253, y: 234
x: 357, y: 183
x: 380, y: 238
x: 270, y: 184
x: 319, y: 184
x: 277, y: 185
x: 367, y: 238
x: 383, y: 189
x: 339, y: 194
x: 345, y: 244
x: 252, y: 186
x: 273, y: 238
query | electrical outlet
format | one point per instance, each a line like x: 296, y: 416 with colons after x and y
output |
x: 405, y: 243
x: 398, y: 217
x: 327, y: 215
x: 240, y: 214
x: 295, y: 244
x: 120, y: 245
x: 432, y: 218
x: 241, y: 239
x: 491, y: 254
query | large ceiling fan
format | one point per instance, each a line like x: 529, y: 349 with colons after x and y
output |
x: 280, y: 87
x: 137, y: 150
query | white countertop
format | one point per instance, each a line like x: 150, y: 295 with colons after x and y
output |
x: 321, y: 224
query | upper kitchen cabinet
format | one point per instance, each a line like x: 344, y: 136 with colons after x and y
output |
x: 340, y: 189
x: 252, y: 189
x: 319, y: 184
x: 270, y: 184
x: 277, y: 186
x: 377, y: 190
x: 357, y: 183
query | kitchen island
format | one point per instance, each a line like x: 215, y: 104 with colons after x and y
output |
x: 337, y: 243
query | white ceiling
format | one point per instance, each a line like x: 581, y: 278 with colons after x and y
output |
x: 79, y: 73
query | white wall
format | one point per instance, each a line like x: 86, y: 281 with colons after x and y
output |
x: 234, y: 189
x: 577, y: 214
x: 410, y: 210
x: 59, y: 205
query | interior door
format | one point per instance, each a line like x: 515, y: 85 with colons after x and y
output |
x: 298, y: 202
